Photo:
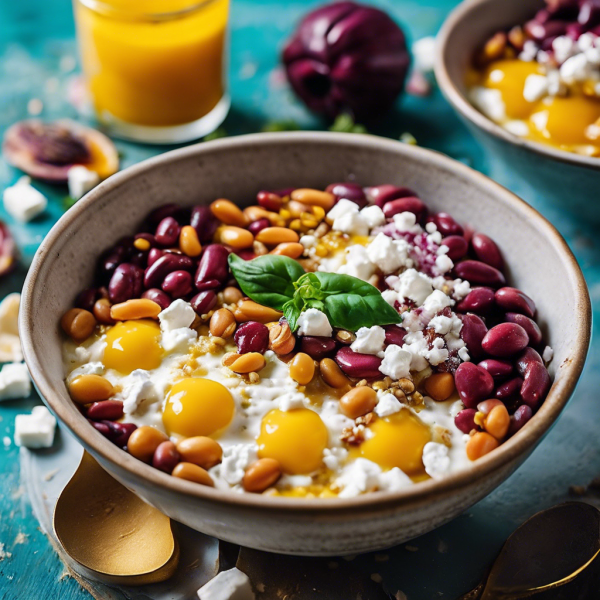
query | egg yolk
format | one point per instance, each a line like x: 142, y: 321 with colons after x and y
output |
x: 133, y: 345
x: 197, y: 406
x: 296, y: 438
x: 509, y: 77
x: 397, y: 441
x: 568, y: 119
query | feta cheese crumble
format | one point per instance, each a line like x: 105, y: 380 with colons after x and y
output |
x: 314, y: 322
x: 23, y: 202
x: 35, y: 430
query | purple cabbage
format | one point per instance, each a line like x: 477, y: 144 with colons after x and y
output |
x: 346, y: 57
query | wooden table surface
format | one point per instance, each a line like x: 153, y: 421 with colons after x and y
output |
x: 38, y: 62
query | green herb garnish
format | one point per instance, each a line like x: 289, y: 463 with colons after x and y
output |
x: 68, y: 202
x: 284, y: 125
x: 344, y: 123
x: 281, y: 283
x: 218, y: 133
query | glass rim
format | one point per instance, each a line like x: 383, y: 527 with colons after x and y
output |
x: 105, y: 8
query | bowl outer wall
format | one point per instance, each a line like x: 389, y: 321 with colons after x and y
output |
x: 241, y: 166
x: 569, y: 180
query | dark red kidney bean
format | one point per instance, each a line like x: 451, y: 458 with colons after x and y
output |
x: 382, y: 194
x: 465, y: 420
x: 528, y: 356
x: 354, y: 364
x: 258, y: 225
x: 410, y: 204
x: 317, y: 347
x: 536, y: 383
x: 514, y: 300
x: 575, y: 30
x: 540, y: 31
x: 529, y: 325
x: 474, y: 384
x: 457, y: 246
x: 252, y: 337
x: 394, y: 335
x: 158, y: 296
x: 120, y: 432
x: 348, y: 191
x: 204, y: 222
x: 246, y: 254
x: 510, y: 390
x: 162, y: 212
x: 203, y: 301
x: 86, y: 298
x: 177, y: 284
x: 498, y: 369
x: 103, y: 428
x: 109, y: 410
x: 479, y: 300
x: 139, y: 259
x: 447, y: 225
x: 479, y: 273
x: 212, y: 270
x: 269, y: 200
x: 506, y: 339
x: 487, y: 251
x: 153, y: 255
x: 166, y: 457
x: 521, y: 416
x: 167, y: 263
x: 472, y: 333
x: 167, y: 232
x: 126, y: 283
x: 146, y: 236
x: 109, y: 261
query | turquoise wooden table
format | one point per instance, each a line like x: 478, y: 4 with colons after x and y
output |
x: 37, y: 62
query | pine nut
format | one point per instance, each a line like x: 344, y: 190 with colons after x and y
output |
x: 248, y: 310
x: 332, y: 375
x: 200, y: 450
x: 271, y: 236
x: 314, y: 197
x: 291, y: 249
x: 358, y: 401
x: 246, y: 363
x: 229, y: 213
x: 222, y: 323
x: 138, y: 308
x: 236, y: 237
x: 191, y: 472
x: 189, y: 242
x: 261, y: 475
x: 78, y: 324
x: 302, y: 368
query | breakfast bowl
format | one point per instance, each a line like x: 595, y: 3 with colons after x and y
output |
x: 529, y: 163
x: 237, y: 168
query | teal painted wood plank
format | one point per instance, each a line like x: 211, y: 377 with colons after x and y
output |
x: 36, y: 35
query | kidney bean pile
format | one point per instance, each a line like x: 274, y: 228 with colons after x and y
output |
x: 182, y: 252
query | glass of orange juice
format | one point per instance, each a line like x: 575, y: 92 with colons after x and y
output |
x: 156, y: 70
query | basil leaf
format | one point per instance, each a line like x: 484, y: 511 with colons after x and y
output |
x: 268, y: 280
x: 291, y: 311
x: 351, y: 303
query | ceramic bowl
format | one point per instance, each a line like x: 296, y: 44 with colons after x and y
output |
x: 237, y: 168
x: 567, y: 179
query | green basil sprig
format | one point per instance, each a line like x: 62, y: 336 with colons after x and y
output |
x: 281, y: 283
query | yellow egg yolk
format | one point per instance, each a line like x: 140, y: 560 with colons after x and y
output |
x: 197, y: 406
x: 509, y: 77
x: 133, y: 345
x: 296, y: 438
x: 567, y: 119
x: 397, y: 441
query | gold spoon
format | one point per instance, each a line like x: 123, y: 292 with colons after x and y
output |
x: 113, y: 535
x: 553, y: 554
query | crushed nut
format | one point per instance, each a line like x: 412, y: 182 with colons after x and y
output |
x: 365, y: 419
x: 253, y: 377
x: 406, y: 385
x: 353, y: 435
x: 441, y: 435
x: 344, y: 337
x: 281, y: 338
x: 259, y: 248
x: 229, y: 358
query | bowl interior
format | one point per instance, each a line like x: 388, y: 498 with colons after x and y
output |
x: 539, y: 260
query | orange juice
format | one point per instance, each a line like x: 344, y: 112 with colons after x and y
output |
x: 154, y: 63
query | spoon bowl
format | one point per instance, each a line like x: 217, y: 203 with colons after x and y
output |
x: 110, y: 532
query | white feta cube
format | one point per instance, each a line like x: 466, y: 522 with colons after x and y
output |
x: 536, y: 87
x: 387, y: 405
x: 177, y: 315
x: 369, y: 340
x: 437, y: 301
x: 14, y: 381
x: 396, y: 362
x: 358, y: 263
x: 436, y: 459
x: 22, y: 201
x: 232, y: 584
x: 388, y: 254
x: 178, y: 338
x: 373, y: 216
x: 423, y: 52
x: 414, y: 285
x: 342, y: 207
x: 489, y: 102
x: 35, y: 430
x: 81, y: 180
x: 351, y: 223
x: 314, y: 322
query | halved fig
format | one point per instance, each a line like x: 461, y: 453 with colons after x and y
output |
x: 8, y: 250
x: 48, y: 150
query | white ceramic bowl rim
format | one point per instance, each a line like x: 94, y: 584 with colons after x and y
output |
x: 419, y: 493
x: 457, y: 99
